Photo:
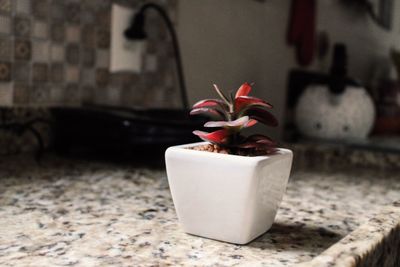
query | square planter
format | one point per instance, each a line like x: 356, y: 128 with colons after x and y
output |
x: 226, y: 197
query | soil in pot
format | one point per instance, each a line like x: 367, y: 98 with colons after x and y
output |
x: 225, y: 150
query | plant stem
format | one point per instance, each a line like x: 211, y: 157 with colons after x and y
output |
x: 219, y: 92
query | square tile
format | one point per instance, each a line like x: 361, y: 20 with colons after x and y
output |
x: 72, y: 54
x: 22, y: 26
x: 73, y: 13
x: 88, y: 36
x: 57, y: 53
x: 87, y: 94
x: 72, y: 93
x: 40, y: 72
x: 88, y: 76
x: 40, y: 8
x: 103, y: 19
x: 5, y: 24
x: 5, y: 71
x: 57, y: 32
x: 41, y: 51
x: 23, y: 6
x: 103, y: 38
x: 5, y: 6
x: 22, y: 49
x: 57, y: 73
x: 102, y: 58
x: 40, y: 30
x: 72, y: 74
x: 102, y: 77
x: 57, y: 10
x: 5, y: 48
x: 39, y: 94
x: 21, y: 93
x: 88, y: 57
x: 73, y: 34
x: 21, y: 71
x: 6, y: 94
x: 87, y: 16
x: 57, y: 94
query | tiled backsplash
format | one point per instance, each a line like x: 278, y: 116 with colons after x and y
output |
x: 56, y: 53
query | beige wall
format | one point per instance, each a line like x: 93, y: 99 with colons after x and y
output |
x: 232, y: 41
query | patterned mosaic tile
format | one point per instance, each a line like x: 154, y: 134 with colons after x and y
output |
x: 5, y: 24
x: 87, y: 94
x: 88, y: 77
x: 40, y: 8
x: 57, y: 93
x: 102, y: 77
x: 57, y: 53
x: 57, y: 73
x: 23, y: 6
x: 72, y: 74
x: 73, y: 34
x: 6, y: 94
x: 41, y: 51
x: 89, y: 36
x: 60, y: 42
x: 103, y: 19
x: 40, y: 30
x: 22, y: 49
x: 57, y: 32
x: 40, y: 94
x: 103, y: 38
x: 21, y: 93
x: 73, y: 13
x: 21, y: 71
x: 5, y: 71
x: 22, y: 26
x: 40, y: 72
x: 103, y: 58
x: 72, y: 93
x: 72, y: 54
x: 88, y: 57
x: 5, y: 6
x: 5, y: 48
x: 57, y: 10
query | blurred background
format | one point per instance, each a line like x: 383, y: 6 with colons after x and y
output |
x: 111, y: 76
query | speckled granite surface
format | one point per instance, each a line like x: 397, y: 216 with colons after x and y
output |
x: 78, y: 213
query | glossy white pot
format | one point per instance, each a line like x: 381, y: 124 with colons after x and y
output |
x: 226, y: 197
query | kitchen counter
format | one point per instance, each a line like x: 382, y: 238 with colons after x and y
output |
x: 80, y: 213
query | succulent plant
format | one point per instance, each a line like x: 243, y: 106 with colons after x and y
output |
x: 233, y: 114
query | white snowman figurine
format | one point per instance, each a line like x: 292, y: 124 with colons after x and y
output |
x: 346, y: 116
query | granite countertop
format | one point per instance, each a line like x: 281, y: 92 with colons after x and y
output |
x: 81, y: 213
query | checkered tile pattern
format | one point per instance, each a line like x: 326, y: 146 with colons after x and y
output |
x: 57, y: 53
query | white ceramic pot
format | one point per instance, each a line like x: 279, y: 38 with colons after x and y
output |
x: 226, y: 197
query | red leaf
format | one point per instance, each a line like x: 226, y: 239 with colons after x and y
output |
x: 243, y: 90
x: 218, y: 137
x: 250, y: 123
x: 261, y: 115
x: 259, y: 142
x: 210, y: 103
x: 210, y: 112
x: 262, y: 139
x: 243, y: 102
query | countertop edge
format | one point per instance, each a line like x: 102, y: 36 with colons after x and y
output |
x: 356, y: 249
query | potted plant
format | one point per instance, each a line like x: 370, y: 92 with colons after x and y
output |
x: 229, y: 187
